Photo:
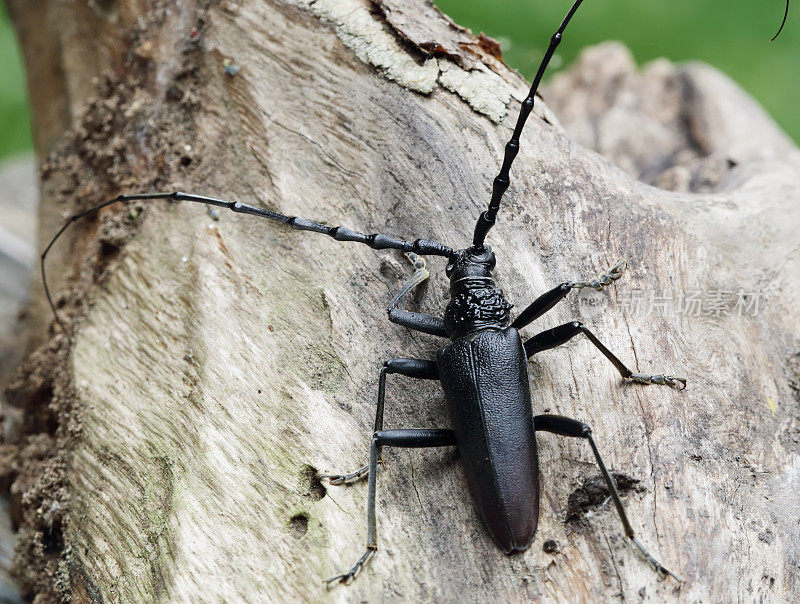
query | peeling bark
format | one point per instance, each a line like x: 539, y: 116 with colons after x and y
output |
x: 171, y: 447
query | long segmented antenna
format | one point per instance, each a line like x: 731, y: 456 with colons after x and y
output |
x: 487, y: 219
x: 502, y: 180
x: 785, y: 16
x: 376, y: 241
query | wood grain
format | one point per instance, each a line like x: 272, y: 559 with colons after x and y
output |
x: 222, y: 363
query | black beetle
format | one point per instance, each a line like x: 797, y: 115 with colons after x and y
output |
x: 484, y: 374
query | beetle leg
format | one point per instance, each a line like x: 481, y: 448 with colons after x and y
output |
x: 413, y: 368
x: 603, y: 280
x: 565, y: 426
x: 350, y: 478
x: 420, y: 275
x: 563, y: 333
x: 408, y: 439
x: 548, y: 300
x: 415, y: 320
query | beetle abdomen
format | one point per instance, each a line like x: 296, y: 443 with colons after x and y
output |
x: 485, y: 380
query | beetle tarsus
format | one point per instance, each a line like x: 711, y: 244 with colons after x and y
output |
x: 348, y: 577
x: 657, y: 566
x: 679, y: 383
x: 418, y: 262
x: 603, y: 280
x: 420, y: 274
x: 353, y: 477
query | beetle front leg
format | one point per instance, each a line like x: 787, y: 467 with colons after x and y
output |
x: 565, y: 426
x: 563, y: 333
x: 415, y: 320
x: 548, y: 300
x: 413, y: 368
x: 408, y: 439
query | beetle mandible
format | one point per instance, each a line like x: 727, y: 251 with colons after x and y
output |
x: 483, y: 369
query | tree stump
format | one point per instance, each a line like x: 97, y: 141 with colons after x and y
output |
x: 171, y: 446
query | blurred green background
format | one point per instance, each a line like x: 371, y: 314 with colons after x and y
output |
x: 15, y: 129
x: 733, y: 35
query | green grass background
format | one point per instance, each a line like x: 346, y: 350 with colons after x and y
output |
x: 733, y: 35
x: 15, y: 126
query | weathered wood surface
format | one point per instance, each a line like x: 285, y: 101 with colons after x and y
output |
x: 220, y: 364
x: 19, y: 197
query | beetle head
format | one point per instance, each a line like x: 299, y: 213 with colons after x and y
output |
x: 470, y: 263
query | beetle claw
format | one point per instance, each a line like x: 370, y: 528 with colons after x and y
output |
x: 679, y: 383
x: 603, y: 280
x: 349, y: 577
x: 417, y: 261
x: 338, y: 479
x: 655, y: 564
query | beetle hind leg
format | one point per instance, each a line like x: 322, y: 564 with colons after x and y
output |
x: 564, y: 426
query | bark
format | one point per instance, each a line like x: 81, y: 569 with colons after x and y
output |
x: 171, y: 447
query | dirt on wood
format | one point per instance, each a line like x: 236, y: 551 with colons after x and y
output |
x: 118, y: 145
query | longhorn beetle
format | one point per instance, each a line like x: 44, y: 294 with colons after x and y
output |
x: 483, y: 369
